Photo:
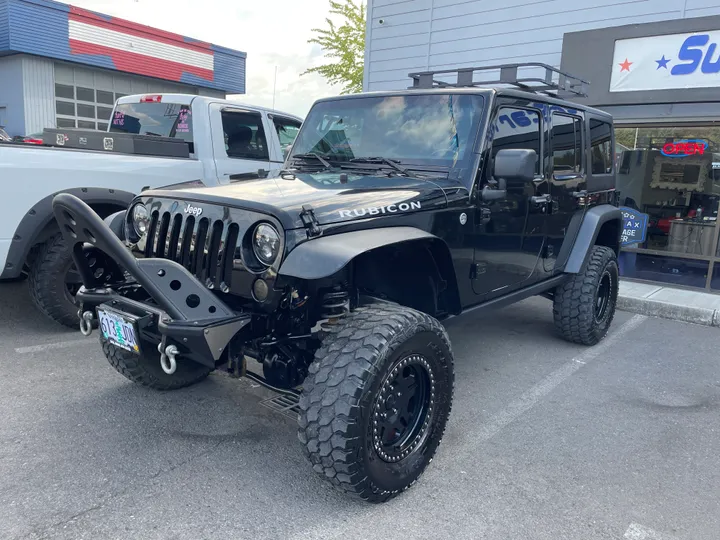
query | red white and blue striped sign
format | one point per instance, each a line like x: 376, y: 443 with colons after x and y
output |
x: 55, y: 30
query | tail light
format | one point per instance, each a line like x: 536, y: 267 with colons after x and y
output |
x: 151, y: 99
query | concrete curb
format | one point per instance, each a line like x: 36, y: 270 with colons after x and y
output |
x: 665, y: 310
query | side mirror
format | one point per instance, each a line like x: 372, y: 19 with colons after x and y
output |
x: 515, y: 165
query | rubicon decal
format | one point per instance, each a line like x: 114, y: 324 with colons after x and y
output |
x: 378, y: 210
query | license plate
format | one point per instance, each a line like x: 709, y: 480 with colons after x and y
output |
x: 118, y: 330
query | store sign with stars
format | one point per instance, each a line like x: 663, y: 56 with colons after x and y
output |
x: 666, y: 62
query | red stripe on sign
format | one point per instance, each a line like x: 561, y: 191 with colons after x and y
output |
x: 141, y: 64
x: 135, y: 29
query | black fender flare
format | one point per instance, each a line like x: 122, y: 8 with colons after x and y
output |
x: 592, y: 222
x: 325, y: 256
x: 39, y: 218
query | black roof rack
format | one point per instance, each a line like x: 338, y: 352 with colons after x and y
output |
x: 566, y: 84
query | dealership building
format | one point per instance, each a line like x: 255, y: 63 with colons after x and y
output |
x: 654, y: 65
x: 63, y: 66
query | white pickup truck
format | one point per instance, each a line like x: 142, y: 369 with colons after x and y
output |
x: 227, y: 142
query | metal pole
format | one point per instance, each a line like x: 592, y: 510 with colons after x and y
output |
x: 274, y: 86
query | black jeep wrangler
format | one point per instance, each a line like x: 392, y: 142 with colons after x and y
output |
x: 394, y: 211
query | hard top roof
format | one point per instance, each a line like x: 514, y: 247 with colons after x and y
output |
x: 490, y: 92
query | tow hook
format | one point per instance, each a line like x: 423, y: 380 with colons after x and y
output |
x: 167, y: 357
x: 86, y: 323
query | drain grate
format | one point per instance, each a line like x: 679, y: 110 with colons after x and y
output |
x: 284, y: 404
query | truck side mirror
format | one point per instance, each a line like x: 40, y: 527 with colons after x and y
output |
x: 515, y: 165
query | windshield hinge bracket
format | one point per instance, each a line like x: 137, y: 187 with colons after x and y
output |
x: 310, y: 221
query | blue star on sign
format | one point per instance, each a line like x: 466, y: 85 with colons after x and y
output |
x: 662, y: 63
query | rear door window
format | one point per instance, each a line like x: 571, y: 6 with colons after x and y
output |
x: 566, y: 144
x: 601, y: 147
x: 244, y: 135
x: 155, y: 119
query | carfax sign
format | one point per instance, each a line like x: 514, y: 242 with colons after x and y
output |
x: 634, y: 226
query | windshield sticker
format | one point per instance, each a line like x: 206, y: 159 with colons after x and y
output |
x: 182, y: 126
x: 376, y: 210
x: 118, y: 119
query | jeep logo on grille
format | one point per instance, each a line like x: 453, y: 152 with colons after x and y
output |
x: 193, y: 210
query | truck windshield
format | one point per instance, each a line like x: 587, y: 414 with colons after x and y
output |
x: 158, y: 119
x: 424, y: 129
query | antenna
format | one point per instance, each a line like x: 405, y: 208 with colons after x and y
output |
x: 274, y: 86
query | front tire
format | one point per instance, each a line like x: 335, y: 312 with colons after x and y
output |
x: 144, y: 369
x: 53, y: 282
x: 584, y: 306
x: 375, y: 404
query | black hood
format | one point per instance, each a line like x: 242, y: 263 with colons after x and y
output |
x: 332, y: 202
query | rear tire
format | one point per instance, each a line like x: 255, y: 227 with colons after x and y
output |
x: 375, y: 404
x: 46, y: 280
x: 145, y: 368
x: 584, y: 306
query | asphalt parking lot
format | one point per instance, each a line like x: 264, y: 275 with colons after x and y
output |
x: 547, y: 440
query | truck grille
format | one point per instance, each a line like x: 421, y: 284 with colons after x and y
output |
x: 205, y: 247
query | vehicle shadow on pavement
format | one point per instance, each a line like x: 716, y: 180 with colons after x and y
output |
x: 118, y: 447
x: 19, y: 316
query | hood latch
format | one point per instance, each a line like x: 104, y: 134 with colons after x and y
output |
x: 310, y: 221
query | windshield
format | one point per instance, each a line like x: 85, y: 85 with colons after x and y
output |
x: 158, y: 119
x: 425, y: 129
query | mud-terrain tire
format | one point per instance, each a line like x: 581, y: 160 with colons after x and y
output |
x: 381, y: 366
x: 46, y: 280
x: 145, y: 368
x: 584, y: 306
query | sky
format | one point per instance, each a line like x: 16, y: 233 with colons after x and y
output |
x: 271, y: 32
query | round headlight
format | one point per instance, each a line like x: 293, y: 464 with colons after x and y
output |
x: 266, y: 243
x: 140, y: 219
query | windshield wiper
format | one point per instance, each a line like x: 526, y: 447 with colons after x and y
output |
x: 314, y: 155
x: 380, y: 159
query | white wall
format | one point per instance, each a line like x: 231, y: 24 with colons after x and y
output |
x: 417, y: 35
x: 39, y: 90
x: 11, y: 94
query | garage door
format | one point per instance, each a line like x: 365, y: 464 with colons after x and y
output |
x: 84, y: 98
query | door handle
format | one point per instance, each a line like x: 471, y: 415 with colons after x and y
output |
x: 562, y: 177
x: 541, y: 199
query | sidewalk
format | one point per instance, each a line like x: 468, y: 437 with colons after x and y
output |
x: 670, y: 303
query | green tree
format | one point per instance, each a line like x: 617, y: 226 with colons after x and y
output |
x: 344, y: 45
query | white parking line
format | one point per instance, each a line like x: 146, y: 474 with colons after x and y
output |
x: 531, y: 397
x: 639, y: 532
x: 55, y: 345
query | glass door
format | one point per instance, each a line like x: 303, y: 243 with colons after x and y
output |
x: 669, y: 178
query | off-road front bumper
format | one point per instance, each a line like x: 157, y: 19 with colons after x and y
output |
x: 185, y: 314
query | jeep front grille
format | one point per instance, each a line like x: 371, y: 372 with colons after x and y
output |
x: 205, y: 247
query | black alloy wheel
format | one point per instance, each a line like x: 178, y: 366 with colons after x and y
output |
x: 403, y: 409
x: 603, y: 296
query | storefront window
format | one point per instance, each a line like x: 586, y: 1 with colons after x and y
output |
x: 665, y: 269
x: 672, y: 174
